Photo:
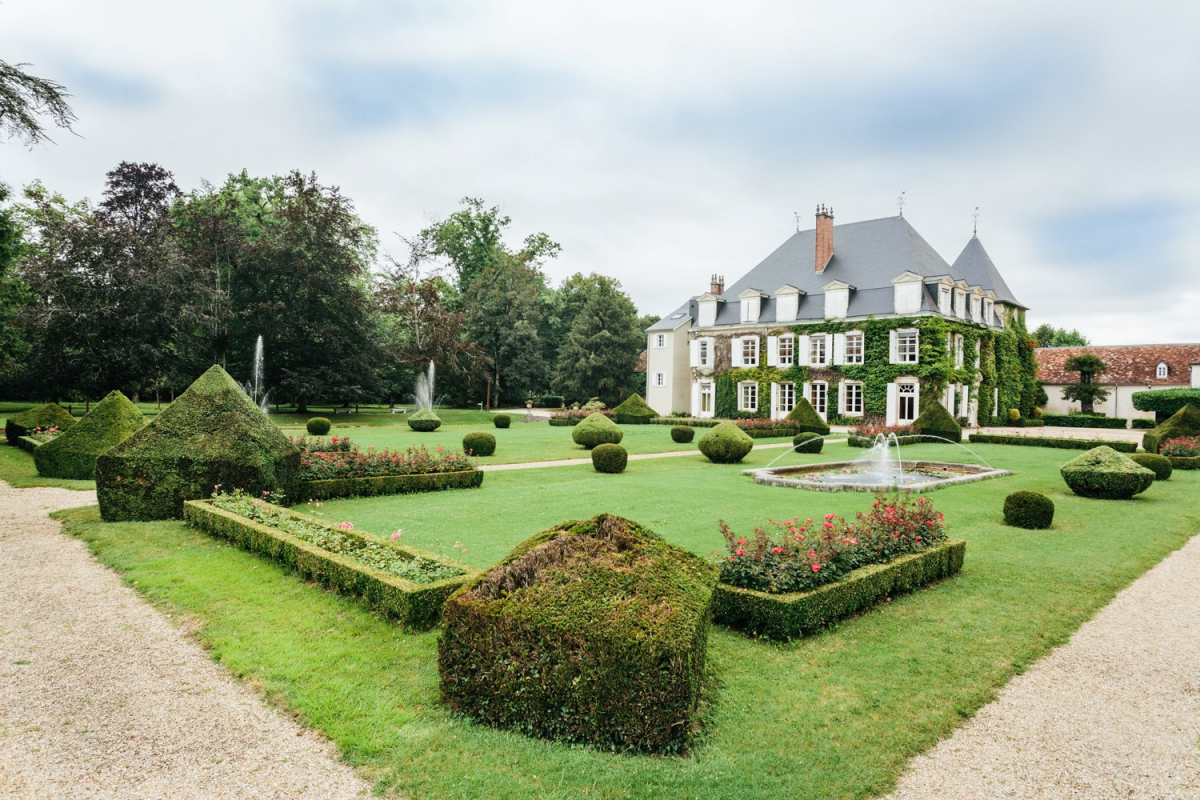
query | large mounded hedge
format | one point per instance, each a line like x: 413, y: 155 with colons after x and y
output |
x: 72, y: 455
x: 1103, y: 472
x: 50, y: 415
x: 808, y: 417
x: 1166, y: 401
x: 592, y: 631
x: 1184, y: 422
x: 634, y: 411
x: 212, y: 434
x: 935, y: 420
x: 725, y: 444
x: 597, y: 429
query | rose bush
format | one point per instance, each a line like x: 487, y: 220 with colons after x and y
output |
x: 330, y: 459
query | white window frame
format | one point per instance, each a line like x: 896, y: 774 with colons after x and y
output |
x: 860, y: 357
x: 902, y: 354
x: 989, y: 312
x: 706, y: 399
x: 787, y: 397
x: 660, y: 340
x: 818, y: 341
x: 819, y: 399
x: 705, y: 352
x: 788, y: 358
x: 1162, y: 370
x: 750, y: 351
x: 945, y: 300
x: 976, y: 308
x: 660, y: 379
x: 846, y: 405
x: 747, y: 391
x: 906, y: 389
x: 959, y: 354
x: 961, y: 304
x: 708, y: 314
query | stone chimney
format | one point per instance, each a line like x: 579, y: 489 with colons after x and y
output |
x: 717, y: 286
x: 824, y: 237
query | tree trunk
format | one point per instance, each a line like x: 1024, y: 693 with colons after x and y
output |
x: 302, y: 406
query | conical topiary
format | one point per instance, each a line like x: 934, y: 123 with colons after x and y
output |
x: 1184, y: 422
x: 73, y: 454
x: 213, y: 434
x: 808, y: 417
x: 596, y: 429
x: 50, y: 415
x: 935, y: 420
x: 634, y: 411
x: 425, y: 421
x: 725, y: 444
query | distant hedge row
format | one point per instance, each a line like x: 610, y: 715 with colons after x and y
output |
x: 1061, y: 444
x: 1084, y: 421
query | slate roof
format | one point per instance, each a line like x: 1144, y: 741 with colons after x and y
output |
x: 975, y: 267
x: 1128, y: 365
x: 676, y: 318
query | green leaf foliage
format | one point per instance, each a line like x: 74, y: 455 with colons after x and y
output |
x: 682, y: 434
x: 725, y: 444
x: 1084, y: 421
x: 379, y: 485
x: 48, y: 415
x: 592, y: 632
x: 1166, y: 401
x: 634, y: 411
x: 807, y: 442
x: 72, y: 455
x: 424, y: 421
x: 600, y: 352
x: 935, y: 420
x: 1104, y: 473
x: 1159, y: 465
x: 480, y: 444
x: 1030, y: 510
x: 1183, y: 423
x: 502, y: 420
x: 1061, y: 444
x: 808, y: 417
x: 318, y: 426
x: 609, y: 458
x: 596, y: 429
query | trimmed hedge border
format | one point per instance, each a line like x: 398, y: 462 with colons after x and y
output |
x: 901, y: 439
x: 1061, y: 444
x: 415, y: 605
x: 690, y: 422
x: 27, y: 443
x: 1082, y: 421
x: 388, y: 484
x: 1185, y: 462
x: 782, y: 617
x: 565, y: 423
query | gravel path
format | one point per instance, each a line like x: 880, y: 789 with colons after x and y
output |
x: 1115, y: 712
x: 102, y: 697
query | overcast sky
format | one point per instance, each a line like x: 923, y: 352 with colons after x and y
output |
x: 661, y: 142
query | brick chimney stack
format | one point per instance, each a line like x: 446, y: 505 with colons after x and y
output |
x: 824, y: 237
x: 717, y: 285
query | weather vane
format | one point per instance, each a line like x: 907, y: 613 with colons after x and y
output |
x: 975, y: 217
x: 900, y: 202
x: 796, y: 214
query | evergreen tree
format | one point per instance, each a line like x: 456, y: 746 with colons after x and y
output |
x: 14, y: 294
x: 1086, y: 392
x: 602, y: 348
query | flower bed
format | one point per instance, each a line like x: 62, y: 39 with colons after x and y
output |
x: 335, y: 467
x: 571, y: 417
x: 1061, y: 444
x: 390, y: 484
x: 756, y: 428
x: 402, y: 583
x: 863, y: 435
x: 1182, y: 447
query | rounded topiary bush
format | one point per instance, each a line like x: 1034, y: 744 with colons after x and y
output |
x: 502, y: 420
x: 1031, y: 510
x: 1104, y: 473
x: 1159, y: 465
x: 807, y: 442
x: 683, y: 434
x: 478, y: 443
x: 725, y: 444
x: 609, y: 458
x: 596, y: 429
x: 318, y: 426
x: 424, y: 421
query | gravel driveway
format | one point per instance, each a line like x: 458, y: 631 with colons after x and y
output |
x: 102, y: 697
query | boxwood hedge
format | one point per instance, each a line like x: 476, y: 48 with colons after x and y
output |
x: 48, y: 415
x: 682, y: 434
x: 1085, y: 421
x: 807, y: 442
x: 807, y: 416
x: 1030, y: 510
x: 425, y: 421
x: 1160, y: 465
x: 935, y: 420
x: 725, y: 444
x: 1184, y: 422
x: 1045, y: 441
x: 634, y: 411
x: 1104, y: 473
x: 73, y: 454
x: 478, y: 443
x: 318, y: 426
x: 389, y: 484
x: 609, y: 458
x: 1166, y: 401
x: 502, y: 420
x: 596, y: 429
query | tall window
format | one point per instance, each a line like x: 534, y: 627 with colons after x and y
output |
x: 976, y: 308
x: 704, y: 352
x: 944, y: 300
x: 660, y: 379
x: 907, y: 411
x: 818, y: 392
x: 854, y: 348
x: 748, y: 396
x: 750, y: 352
x: 660, y: 340
x: 706, y: 398
x: 787, y: 351
x: 958, y: 350
x: 816, y: 349
x: 854, y: 398
x: 787, y: 397
x: 907, y: 347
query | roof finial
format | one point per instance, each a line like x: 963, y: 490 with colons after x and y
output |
x: 796, y: 214
x: 975, y: 217
x: 900, y: 202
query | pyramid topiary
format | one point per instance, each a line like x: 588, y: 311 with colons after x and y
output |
x: 592, y: 631
x: 424, y: 421
x: 596, y: 429
x: 1103, y: 472
x: 725, y: 444
x: 50, y: 415
x: 1184, y: 422
x: 808, y: 418
x: 73, y: 454
x: 634, y: 411
x: 213, y: 434
x: 935, y: 420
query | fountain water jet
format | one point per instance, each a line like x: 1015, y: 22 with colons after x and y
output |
x: 423, y: 398
x: 254, y: 387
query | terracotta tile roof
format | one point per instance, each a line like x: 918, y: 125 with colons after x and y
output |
x: 1133, y: 364
x: 641, y: 363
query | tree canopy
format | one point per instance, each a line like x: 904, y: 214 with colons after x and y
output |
x: 1086, y: 392
x: 25, y: 98
x: 1049, y: 336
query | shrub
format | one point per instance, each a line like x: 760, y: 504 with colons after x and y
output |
x: 424, y: 421
x: 1183, y: 423
x: 478, y: 443
x: 1030, y: 510
x: 72, y: 455
x: 1184, y: 462
x: 318, y: 426
x: 725, y: 444
x: 1085, y: 421
x: 502, y: 420
x: 1141, y: 424
x: 573, y: 416
x: 1104, y: 473
x: 682, y: 434
x: 807, y: 443
x: 552, y: 401
x: 1183, y: 447
x: 338, y: 458
x: 634, y: 411
x: 375, y: 486
x: 592, y: 632
x: 1014, y: 415
x: 1061, y: 444
x: 1166, y: 401
x: 1159, y: 465
x: 213, y: 434
x: 808, y: 418
x: 49, y: 415
x: 596, y: 429
x: 864, y: 433
x: 609, y: 458
x: 935, y: 420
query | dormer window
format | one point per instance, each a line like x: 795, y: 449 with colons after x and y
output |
x: 707, y: 316
x: 751, y: 305
x: 960, y: 305
x: 1162, y: 371
x: 976, y: 308
x: 907, y: 296
x: 787, y: 303
x: 837, y: 299
x: 989, y: 316
x: 944, y: 300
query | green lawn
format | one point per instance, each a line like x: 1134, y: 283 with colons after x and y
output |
x: 836, y: 715
x: 17, y: 469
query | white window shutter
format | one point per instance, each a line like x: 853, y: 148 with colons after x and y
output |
x: 712, y: 343
x: 807, y: 391
x: 695, y: 399
x: 839, y: 349
x: 772, y: 351
x: 735, y: 355
x: 774, y: 401
x: 893, y: 353
x: 694, y: 345
x: 892, y: 402
x: 757, y: 355
x: 802, y: 353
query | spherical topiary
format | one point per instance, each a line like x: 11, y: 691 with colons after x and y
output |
x: 807, y: 442
x: 318, y: 426
x: 682, y: 434
x: 596, y: 429
x: 1031, y: 510
x: 1159, y: 465
x: 424, y: 421
x: 610, y: 458
x: 1103, y: 472
x: 502, y: 420
x: 725, y: 444
x: 478, y: 443
x: 1014, y: 415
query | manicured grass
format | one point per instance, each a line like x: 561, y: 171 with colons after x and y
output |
x: 18, y: 470
x: 835, y: 715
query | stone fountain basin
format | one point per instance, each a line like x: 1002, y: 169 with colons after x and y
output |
x: 938, y: 475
